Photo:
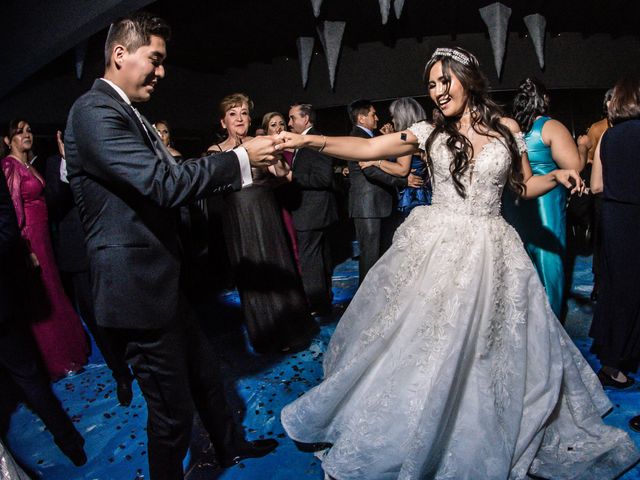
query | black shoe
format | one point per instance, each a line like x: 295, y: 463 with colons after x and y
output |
x: 124, y: 393
x: 634, y: 423
x: 74, y: 452
x: 608, y: 381
x: 255, y: 449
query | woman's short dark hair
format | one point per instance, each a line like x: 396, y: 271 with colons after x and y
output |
x: 135, y: 31
x: 625, y: 101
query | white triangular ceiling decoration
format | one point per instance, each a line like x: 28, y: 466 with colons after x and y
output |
x: 331, y: 37
x: 537, y: 25
x: 316, y: 7
x: 496, y: 17
x: 305, y: 52
x: 385, y: 5
x: 397, y: 7
x: 80, y: 54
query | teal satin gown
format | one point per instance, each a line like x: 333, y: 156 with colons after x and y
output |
x: 541, y: 222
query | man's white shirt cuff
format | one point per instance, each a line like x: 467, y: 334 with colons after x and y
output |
x: 245, y: 166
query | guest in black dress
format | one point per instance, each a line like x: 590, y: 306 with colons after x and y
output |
x: 616, y: 173
x: 273, y: 302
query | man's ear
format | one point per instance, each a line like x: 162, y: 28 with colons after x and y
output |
x: 118, y: 55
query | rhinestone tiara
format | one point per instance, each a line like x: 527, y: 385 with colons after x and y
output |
x: 452, y: 54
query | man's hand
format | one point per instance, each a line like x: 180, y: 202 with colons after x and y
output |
x: 262, y: 150
x: 414, y: 181
x: 60, y: 143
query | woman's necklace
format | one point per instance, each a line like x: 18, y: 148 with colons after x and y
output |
x: 26, y: 164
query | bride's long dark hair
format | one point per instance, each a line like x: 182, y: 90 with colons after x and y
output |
x: 484, y: 113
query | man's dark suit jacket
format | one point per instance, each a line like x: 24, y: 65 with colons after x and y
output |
x: 127, y: 189
x: 314, y: 204
x: 68, y: 238
x: 372, y: 193
x: 11, y: 255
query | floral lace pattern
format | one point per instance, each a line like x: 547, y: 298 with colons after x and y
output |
x: 449, y: 362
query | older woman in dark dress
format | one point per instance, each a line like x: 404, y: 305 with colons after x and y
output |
x: 274, y: 306
x: 616, y: 173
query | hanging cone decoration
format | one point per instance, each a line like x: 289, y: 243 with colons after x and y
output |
x: 316, y: 7
x: 305, y: 52
x: 537, y: 25
x: 80, y: 54
x: 331, y: 36
x: 385, y: 5
x: 496, y: 17
x: 397, y: 7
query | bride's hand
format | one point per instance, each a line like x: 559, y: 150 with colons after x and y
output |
x: 571, y: 180
x: 289, y: 140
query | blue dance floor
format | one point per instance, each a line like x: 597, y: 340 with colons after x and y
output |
x: 258, y: 387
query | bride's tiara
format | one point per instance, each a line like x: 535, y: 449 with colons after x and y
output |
x: 452, y: 54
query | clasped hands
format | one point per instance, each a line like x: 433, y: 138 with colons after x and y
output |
x: 571, y: 180
x: 262, y: 150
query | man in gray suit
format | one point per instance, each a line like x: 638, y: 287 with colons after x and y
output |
x: 128, y: 188
x: 372, y: 193
x: 313, y: 207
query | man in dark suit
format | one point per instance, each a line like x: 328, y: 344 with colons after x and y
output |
x: 128, y: 187
x: 73, y: 264
x: 313, y: 211
x: 18, y: 352
x: 372, y: 193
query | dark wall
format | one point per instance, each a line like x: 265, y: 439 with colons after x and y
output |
x: 188, y: 99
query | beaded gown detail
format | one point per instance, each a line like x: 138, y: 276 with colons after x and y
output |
x: 449, y: 362
x: 56, y: 327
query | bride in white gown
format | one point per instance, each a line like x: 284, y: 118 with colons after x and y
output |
x: 449, y: 362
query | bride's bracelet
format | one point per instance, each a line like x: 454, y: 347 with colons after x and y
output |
x: 324, y: 143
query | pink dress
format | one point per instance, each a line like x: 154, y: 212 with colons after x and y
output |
x: 288, y: 218
x: 54, y: 323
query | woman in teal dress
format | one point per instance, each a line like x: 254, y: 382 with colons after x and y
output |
x: 541, y: 222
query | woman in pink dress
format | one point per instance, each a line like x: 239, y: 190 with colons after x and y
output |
x: 54, y: 323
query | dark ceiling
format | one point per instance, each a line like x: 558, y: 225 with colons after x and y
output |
x: 210, y: 36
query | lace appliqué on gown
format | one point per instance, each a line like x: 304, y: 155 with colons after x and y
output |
x: 449, y: 362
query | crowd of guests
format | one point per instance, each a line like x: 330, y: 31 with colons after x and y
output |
x: 276, y: 236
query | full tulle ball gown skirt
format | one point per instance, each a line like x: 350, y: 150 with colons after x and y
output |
x: 449, y: 362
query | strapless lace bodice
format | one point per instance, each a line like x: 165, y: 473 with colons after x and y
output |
x: 484, y: 185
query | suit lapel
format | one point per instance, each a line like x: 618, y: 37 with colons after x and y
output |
x: 149, y: 134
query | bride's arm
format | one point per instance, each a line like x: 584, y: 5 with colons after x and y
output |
x: 353, y: 148
x: 537, y: 185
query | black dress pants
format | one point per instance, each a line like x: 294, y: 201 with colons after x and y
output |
x: 316, y: 268
x: 83, y: 298
x: 20, y: 357
x: 177, y: 373
x: 369, y: 236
